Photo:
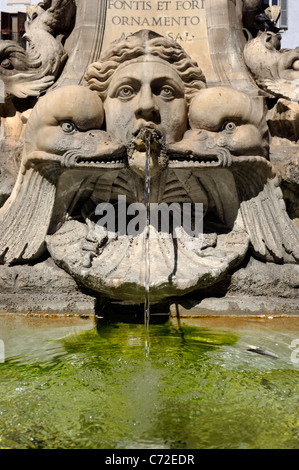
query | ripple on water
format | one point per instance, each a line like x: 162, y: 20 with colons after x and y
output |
x: 199, y: 388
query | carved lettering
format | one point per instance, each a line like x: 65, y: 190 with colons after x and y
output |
x: 150, y: 22
x: 167, y: 17
x: 129, y: 5
x: 161, y: 5
x: 189, y: 5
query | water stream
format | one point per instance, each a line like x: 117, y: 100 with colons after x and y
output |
x: 147, y: 190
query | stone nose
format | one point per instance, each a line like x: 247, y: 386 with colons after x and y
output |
x: 146, y: 106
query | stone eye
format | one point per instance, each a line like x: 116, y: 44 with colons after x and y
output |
x: 125, y: 92
x: 229, y: 126
x: 167, y: 92
x: 68, y: 127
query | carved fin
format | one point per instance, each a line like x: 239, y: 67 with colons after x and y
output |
x: 273, y: 235
x: 282, y: 88
x: 26, y: 215
x: 24, y: 84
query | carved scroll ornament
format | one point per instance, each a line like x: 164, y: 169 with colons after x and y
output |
x: 275, y: 71
x: 27, y: 73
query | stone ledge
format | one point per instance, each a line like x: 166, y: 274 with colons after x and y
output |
x: 233, y: 306
x: 46, y: 304
x: 45, y: 289
x: 42, y: 289
x: 258, y: 278
x: 238, y: 306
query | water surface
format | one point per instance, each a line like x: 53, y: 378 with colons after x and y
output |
x: 66, y: 384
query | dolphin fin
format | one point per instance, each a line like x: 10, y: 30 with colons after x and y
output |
x: 274, y: 236
x: 26, y: 215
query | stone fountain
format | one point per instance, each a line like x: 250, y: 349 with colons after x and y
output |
x: 218, y: 101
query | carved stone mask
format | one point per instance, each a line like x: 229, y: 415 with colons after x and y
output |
x: 146, y: 92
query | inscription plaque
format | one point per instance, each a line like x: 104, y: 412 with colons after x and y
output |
x: 184, y: 21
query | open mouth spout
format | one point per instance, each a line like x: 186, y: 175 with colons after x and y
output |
x: 147, y: 146
x: 117, y: 160
x: 100, y: 152
x: 198, y: 149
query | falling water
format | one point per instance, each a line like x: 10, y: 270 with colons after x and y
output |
x: 147, y: 189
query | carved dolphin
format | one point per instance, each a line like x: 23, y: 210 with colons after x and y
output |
x: 223, y: 118
x: 228, y: 128
x: 29, y: 72
x: 48, y: 23
x: 21, y: 73
x: 63, y: 132
x: 275, y: 70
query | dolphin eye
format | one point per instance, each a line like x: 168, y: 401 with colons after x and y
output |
x: 229, y: 126
x: 68, y: 127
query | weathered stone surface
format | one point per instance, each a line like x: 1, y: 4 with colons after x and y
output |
x: 28, y: 72
x: 41, y: 288
x: 123, y: 276
x: 285, y: 161
x: 258, y: 279
x: 283, y: 121
x: 11, y: 147
x: 143, y: 111
x: 25, y: 74
x: 276, y: 71
x: 238, y: 306
x: 256, y: 289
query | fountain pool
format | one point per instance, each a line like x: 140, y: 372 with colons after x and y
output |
x: 67, y: 384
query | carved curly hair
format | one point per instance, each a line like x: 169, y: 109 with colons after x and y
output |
x: 144, y: 42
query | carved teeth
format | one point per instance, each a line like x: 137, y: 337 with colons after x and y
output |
x: 94, y: 163
x: 193, y: 160
x: 194, y: 163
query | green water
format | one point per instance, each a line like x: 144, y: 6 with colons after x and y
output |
x: 69, y: 385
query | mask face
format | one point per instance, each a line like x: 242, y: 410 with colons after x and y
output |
x: 149, y: 93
